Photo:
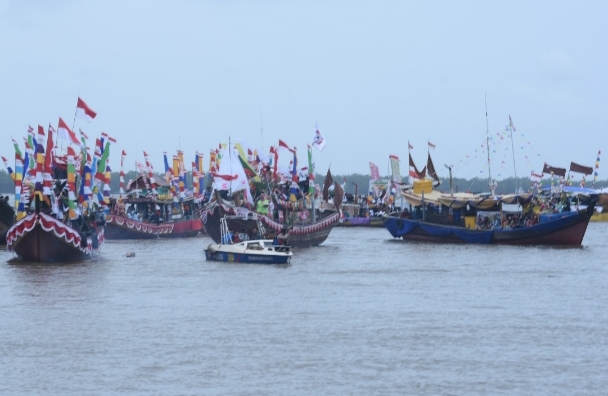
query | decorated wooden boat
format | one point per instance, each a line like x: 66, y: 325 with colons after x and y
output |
x: 141, y: 215
x: 352, y: 216
x: 7, y: 218
x: 121, y: 227
x: 300, y: 235
x: 40, y: 237
x: 468, y: 218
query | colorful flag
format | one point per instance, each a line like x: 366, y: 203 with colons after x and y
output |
x: 8, y: 168
x: 537, y: 175
x: 84, y: 112
x: 122, y: 172
x: 293, y: 190
x: 597, y: 167
x: 150, y: 174
x: 414, y: 173
x: 374, y: 172
x: 396, y: 172
x: 311, y: 172
x: 65, y: 133
x: 326, y: 184
x: 102, y: 164
x: 317, y: 140
x: 585, y: 170
x: 38, y: 186
x: 553, y: 170
x: 285, y: 145
x: 71, y: 183
x: 430, y: 168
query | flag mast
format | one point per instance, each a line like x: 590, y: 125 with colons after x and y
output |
x: 511, y: 129
x: 491, y: 184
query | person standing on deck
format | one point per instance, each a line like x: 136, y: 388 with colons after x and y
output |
x: 262, y: 205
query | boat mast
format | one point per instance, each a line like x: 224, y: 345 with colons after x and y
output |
x: 491, y: 184
x: 230, y: 162
x: 511, y: 129
x: 261, y: 129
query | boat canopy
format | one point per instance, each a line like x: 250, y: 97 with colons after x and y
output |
x: 485, y: 202
x: 460, y: 200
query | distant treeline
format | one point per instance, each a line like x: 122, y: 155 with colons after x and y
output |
x: 359, y: 183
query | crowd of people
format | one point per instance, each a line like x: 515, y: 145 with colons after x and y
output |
x: 507, y: 221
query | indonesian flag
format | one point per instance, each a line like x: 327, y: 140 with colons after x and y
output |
x: 226, y: 177
x: 285, y: 145
x: 65, y: 133
x: 537, y: 175
x: 84, y: 112
x: 409, y: 145
x: 431, y: 145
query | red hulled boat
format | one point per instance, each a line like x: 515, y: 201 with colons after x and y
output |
x: 40, y: 237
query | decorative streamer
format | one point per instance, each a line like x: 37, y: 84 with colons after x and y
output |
x: 71, y: 183
x: 597, y: 167
x: 150, y: 174
x: 122, y: 173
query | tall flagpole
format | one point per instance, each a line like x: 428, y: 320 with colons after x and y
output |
x: 513, y: 151
x: 491, y: 185
x: 75, y: 112
x: 261, y: 129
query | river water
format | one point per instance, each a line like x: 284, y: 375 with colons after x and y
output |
x: 362, y: 314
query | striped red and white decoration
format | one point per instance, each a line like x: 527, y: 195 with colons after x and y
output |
x: 122, y: 173
x: 150, y: 173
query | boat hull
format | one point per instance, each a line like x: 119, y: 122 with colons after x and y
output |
x: 185, y: 228
x: 300, y: 236
x: 40, y: 238
x: 249, y: 252
x: 374, y: 222
x: 566, y: 230
x: 120, y: 227
x: 245, y: 258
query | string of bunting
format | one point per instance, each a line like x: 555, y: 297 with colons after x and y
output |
x: 500, y: 153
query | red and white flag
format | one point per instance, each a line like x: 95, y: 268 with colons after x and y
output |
x: 84, y: 112
x: 65, y: 133
x: 431, y: 145
x: 374, y: 172
x: 409, y: 146
x: 285, y: 145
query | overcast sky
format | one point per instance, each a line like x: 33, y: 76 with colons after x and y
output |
x: 374, y: 74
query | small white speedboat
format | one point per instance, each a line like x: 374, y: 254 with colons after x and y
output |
x: 259, y: 251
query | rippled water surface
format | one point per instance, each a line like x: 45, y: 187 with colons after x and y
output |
x: 362, y: 314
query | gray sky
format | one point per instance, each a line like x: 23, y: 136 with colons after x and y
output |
x: 373, y: 74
